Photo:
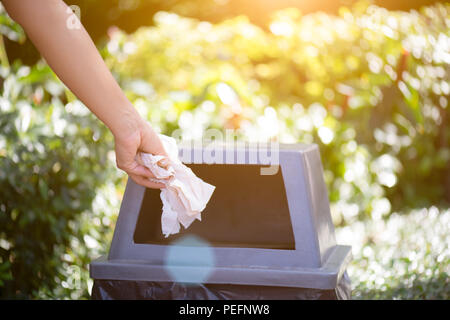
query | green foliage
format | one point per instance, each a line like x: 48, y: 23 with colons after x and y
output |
x: 57, y: 184
x: 370, y: 86
x: 405, y: 257
x: 9, y: 28
x: 53, y: 164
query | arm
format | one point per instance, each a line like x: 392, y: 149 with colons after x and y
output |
x: 74, y: 58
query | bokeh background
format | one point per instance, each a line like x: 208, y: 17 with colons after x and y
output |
x: 368, y: 81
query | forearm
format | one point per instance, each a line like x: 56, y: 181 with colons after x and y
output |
x: 74, y: 58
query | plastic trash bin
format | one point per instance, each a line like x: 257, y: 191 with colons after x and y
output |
x: 261, y: 236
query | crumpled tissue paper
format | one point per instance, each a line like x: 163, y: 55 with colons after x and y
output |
x: 185, y: 195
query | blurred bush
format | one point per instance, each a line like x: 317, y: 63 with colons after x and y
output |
x: 57, y: 184
x: 370, y: 86
x: 404, y: 257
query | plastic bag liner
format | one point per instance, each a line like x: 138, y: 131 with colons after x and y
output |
x: 150, y: 290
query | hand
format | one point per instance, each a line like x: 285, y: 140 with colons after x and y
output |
x: 90, y: 80
x: 136, y: 137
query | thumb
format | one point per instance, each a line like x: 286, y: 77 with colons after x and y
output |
x: 140, y: 170
x: 135, y: 167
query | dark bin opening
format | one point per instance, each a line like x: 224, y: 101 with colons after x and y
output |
x: 254, y: 215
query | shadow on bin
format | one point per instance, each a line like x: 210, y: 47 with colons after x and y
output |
x: 261, y: 236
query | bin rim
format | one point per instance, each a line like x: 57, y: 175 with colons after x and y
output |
x: 325, y: 277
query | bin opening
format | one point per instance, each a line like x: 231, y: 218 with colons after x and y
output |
x: 247, y: 210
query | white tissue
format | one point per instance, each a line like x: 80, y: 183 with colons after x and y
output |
x: 185, y: 195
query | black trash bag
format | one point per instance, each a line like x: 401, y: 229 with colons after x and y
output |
x: 150, y: 290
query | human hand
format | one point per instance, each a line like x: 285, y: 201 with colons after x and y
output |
x: 138, y: 136
x: 90, y: 80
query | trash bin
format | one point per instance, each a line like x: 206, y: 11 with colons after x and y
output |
x: 262, y: 236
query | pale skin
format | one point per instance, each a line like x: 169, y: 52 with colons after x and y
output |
x: 73, y: 56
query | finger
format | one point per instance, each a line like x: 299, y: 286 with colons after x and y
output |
x: 140, y: 170
x: 136, y: 169
x: 146, y: 183
x: 144, y: 172
x: 127, y: 161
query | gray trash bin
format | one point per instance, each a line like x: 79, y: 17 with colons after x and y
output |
x: 261, y: 236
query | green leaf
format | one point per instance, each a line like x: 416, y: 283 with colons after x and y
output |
x: 43, y: 188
